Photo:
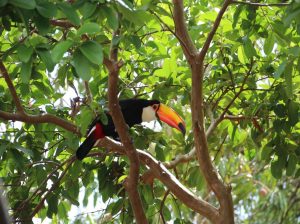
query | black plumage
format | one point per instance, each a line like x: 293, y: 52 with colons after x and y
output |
x: 131, y: 109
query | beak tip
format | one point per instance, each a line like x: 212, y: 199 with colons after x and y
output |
x: 182, y: 128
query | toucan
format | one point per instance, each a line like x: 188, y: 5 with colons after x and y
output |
x: 135, y: 111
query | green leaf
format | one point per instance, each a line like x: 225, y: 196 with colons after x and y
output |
x: 42, y: 24
x: 249, y: 48
x: 293, y: 113
x: 88, y: 9
x: 291, y: 165
x: 27, y: 4
x: 111, y: 16
x: 266, y: 153
x: 82, y: 66
x: 241, y: 55
x: 175, y: 208
x: 24, y: 150
x: 116, y: 40
x: 236, y: 15
x: 24, y: 52
x: 288, y: 75
x: 60, y: 49
x: 117, y: 206
x: 148, y: 194
x: 3, y: 148
x: 280, y: 69
x: 86, y: 116
x: 276, y: 169
x: 269, y: 44
x: 291, y: 15
x: 280, y: 110
x: 3, y: 3
x: 136, y: 41
x: 89, y: 28
x: 46, y: 9
x: 26, y: 69
x: 52, y: 202
x: 167, y: 213
x: 45, y: 55
x: 159, y: 152
x: 70, y: 12
x: 92, y: 51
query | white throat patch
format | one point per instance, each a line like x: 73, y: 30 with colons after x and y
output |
x: 148, y: 114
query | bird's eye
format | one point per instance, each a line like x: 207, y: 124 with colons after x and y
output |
x: 155, y: 107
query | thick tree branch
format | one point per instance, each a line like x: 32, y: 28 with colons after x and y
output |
x: 131, y: 183
x: 21, y: 115
x: 181, y: 31
x: 38, y: 119
x: 168, y: 179
x: 222, y: 192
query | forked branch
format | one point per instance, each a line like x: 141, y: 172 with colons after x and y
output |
x: 113, y: 66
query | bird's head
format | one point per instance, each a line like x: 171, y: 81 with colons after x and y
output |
x: 154, y: 109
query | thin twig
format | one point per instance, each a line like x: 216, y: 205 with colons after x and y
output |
x: 88, y: 92
x: 34, y: 194
x: 213, y: 31
x: 162, y: 206
x: 214, y: 124
x: 282, y: 4
x: 12, y: 89
x: 62, y: 23
x: 54, y: 185
x: 168, y: 179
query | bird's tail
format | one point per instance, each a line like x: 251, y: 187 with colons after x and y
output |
x: 85, y: 147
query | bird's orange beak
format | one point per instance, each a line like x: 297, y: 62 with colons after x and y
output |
x: 169, y: 116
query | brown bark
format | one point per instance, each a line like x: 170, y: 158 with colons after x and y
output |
x: 21, y: 115
x: 160, y: 172
x: 196, y: 62
x: 62, y: 23
x: 168, y: 179
x: 38, y: 119
x: 11, y: 88
x: 131, y: 183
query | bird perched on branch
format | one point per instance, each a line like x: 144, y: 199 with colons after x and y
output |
x: 135, y: 111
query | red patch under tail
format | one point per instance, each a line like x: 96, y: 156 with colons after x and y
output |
x: 90, y: 141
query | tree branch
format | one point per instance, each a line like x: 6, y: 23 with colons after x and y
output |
x: 282, y: 4
x: 216, y: 122
x: 62, y: 23
x: 162, y: 206
x: 12, y: 89
x: 131, y: 183
x: 168, y: 179
x: 38, y: 119
x: 222, y: 192
x: 181, y: 31
x: 213, y: 31
x: 21, y: 115
x: 184, y: 46
x: 88, y: 92
x: 54, y: 185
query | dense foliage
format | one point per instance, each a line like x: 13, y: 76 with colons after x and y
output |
x: 54, y: 48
